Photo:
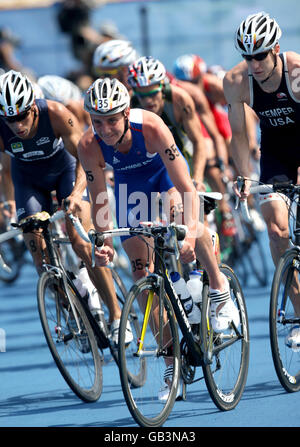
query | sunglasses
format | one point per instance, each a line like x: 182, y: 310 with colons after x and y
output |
x: 256, y: 57
x: 17, y: 118
x: 149, y: 93
x: 106, y: 72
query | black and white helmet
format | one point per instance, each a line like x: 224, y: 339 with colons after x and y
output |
x: 16, y: 93
x: 106, y: 97
x: 146, y: 71
x: 113, y: 54
x: 257, y: 34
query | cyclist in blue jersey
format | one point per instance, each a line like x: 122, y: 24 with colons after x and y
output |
x: 268, y: 81
x: 40, y: 139
x: 146, y: 161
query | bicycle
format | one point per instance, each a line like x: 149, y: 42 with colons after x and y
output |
x: 102, y: 331
x: 219, y: 355
x: 67, y: 330
x: 285, y: 281
x: 72, y: 333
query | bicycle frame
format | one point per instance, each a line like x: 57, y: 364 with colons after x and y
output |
x: 162, y: 282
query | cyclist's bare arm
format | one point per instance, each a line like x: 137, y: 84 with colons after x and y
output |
x: 236, y: 90
x: 65, y: 125
x: 185, y: 114
x: 158, y: 138
x: 215, y: 91
x: 251, y: 124
x: 93, y: 163
x: 204, y: 111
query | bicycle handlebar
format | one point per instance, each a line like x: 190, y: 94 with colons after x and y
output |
x: 263, y: 189
x: 97, y: 239
x: 37, y: 217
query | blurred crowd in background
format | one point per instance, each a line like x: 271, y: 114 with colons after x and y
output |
x: 74, y: 20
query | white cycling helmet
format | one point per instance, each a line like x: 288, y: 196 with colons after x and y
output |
x: 113, y: 54
x: 257, y: 34
x: 189, y: 67
x: 59, y: 89
x: 16, y: 93
x: 38, y: 92
x: 146, y: 71
x: 106, y: 97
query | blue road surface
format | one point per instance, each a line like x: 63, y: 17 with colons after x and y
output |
x: 33, y: 393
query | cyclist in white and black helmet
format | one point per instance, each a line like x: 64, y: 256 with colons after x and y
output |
x: 146, y: 161
x: 57, y: 88
x: 41, y: 138
x: 151, y: 86
x: 267, y: 80
x: 111, y: 59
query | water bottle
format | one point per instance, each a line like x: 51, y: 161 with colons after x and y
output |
x: 87, y: 289
x: 195, y: 285
x: 83, y: 291
x: 192, y: 311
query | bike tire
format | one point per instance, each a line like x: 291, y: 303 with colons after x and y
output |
x: 81, y: 371
x: 256, y: 257
x: 281, y: 316
x: 226, y: 355
x: 11, y: 261
x: 138, y: 378
x: 143, y: 403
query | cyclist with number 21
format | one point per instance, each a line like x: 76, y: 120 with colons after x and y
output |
x: 146, y: 160
x: 267, y: 81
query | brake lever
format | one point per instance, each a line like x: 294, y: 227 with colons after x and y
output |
x: 241, y: 186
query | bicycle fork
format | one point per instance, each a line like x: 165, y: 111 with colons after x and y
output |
x: 160, y: 350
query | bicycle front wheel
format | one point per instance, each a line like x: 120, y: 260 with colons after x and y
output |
x: 156, y: 347
x: 285, y: 288
x: 136, y: 377
x: 72, y: 343
x: 226, y: 354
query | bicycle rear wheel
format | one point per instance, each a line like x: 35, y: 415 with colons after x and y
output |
x: 255, y: 255
x: 143, y: 402
x: 74, y: 349
x: 282, y: 318
x: 136, y: 377
x: 226, y: 354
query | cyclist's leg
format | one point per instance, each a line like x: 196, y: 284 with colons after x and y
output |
x: 275, y: 212
x: 100, y: 276
x: 30, y: 201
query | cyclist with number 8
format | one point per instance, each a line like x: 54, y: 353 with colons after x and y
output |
x: 267, y: 81
x: 40, y: 138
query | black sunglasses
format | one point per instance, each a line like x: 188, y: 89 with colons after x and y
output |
x: 16, y: 118
x: 256, y: 57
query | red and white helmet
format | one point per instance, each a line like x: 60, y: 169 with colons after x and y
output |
x: 16, y: 93
x: 258, y: 33
x: 189, y: 67
x: 146, y: 71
